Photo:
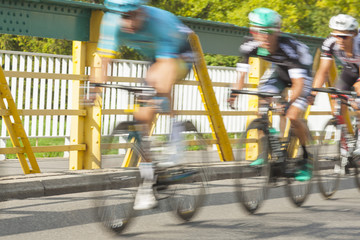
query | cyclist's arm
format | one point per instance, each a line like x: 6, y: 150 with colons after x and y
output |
x: 242, y: 70
x: 296, y: 88
x: 106, y: 48
x: 322, y: 73
x: 297, y: 76
x: 247, y: 49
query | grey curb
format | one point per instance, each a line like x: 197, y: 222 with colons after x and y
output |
x: 49, y: 184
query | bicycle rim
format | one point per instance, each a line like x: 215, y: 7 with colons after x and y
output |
x: 188, y: 181
x: 298, y: 191
x: 115, y: 204
x: 356, y: 165
x: 329, y: 163
x: 115, y: 208
x: 253, y: 168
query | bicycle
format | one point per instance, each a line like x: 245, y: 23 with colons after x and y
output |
x: 338, y: 142
x: 264, y: 158
x: 183, y: 185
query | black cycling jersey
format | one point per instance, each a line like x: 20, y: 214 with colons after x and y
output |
x: 290, y: 55
x: 350, y: 72
x: 331, y: 49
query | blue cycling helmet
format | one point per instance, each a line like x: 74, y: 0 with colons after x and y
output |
x: 124, y: 5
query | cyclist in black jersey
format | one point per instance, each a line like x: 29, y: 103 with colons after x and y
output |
x: 291, y: 64
x: 344, y: 44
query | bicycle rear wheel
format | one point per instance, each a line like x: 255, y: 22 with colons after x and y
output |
x: 186, y: 183
x: 328, y: 167
x: 115, y: 204
x: 299, y: 189
x: 356, y: 166
x: 253, y: 168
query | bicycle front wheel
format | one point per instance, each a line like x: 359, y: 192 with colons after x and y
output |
x: 115, y: 204
x: 328, y: 167
x: 356, y: 165
x: 253, y: 168
x: 299, y: 182
x: 115, y: 208
x: 187, y: 182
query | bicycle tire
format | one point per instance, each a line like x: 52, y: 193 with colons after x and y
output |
x: 253, y: 169
x: 329, y: 161
x: 356, y: 166
x: 115, y: 204
x: 188, y: 186
x: 298, y: 191
x: 355, y: 162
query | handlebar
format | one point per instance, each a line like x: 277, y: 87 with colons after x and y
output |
x: 257, y: 93
x: 335, y: 91
x: 135, y: 89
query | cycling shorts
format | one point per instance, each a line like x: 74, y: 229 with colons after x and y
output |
x: 271, y: 83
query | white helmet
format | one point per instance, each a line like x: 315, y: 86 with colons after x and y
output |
x: 343, y: 22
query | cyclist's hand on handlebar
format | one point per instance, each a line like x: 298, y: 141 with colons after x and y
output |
x: 231, y: 100
x: 355, y: 103
x: 311, y: 99
x: 90, y: 98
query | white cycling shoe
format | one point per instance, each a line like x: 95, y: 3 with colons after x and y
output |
x: 145, y: 199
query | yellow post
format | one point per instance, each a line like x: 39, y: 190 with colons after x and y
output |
x: 210, y: 102
x: 86, y: 129
x: 257, y: 69
x: 77, y: 122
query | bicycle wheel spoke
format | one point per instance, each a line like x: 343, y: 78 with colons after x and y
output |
x: 189, y: 179
x: 115, y: 208
x: 329, y: 166
x: 299, y: 185
x: 253, y: 169
x: 115, y: 205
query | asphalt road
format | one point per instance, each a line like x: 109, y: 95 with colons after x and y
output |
x: 71, y: 216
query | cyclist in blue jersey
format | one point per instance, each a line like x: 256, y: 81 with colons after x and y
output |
x: 163, y: 39
x: 290, y: 67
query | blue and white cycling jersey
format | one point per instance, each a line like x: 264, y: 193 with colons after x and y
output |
x: 162, y: 35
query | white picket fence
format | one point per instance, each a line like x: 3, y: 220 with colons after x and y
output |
x: 34, y: 93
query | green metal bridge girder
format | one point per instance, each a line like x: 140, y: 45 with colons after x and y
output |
x: 66, y: 19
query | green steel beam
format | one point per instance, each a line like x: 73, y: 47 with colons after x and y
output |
x: 45, y: 19
x: 224, y: 38
x: 66, y: 19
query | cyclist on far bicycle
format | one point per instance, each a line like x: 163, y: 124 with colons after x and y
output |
x: 163, y: 39
x: 290, y: 67
x: 343, y: 44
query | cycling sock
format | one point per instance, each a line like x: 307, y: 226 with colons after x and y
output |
x: 305, y: 153
x: 146, y: 171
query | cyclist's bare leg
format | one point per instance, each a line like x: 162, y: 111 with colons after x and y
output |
x: 298, y: 125
x: 357, y: 90
x: 161, y: 75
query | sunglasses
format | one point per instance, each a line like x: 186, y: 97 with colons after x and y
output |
x: 342, y: 36
x: 129, y: 15
x: 267, y: 31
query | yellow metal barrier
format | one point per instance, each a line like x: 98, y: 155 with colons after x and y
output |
x: 210, y: 102
x: 16, y: 129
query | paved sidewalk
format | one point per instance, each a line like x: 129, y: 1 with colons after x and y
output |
x: 56, y: 179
